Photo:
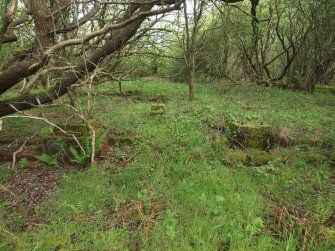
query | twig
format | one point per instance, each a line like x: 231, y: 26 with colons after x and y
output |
x: 20, y: 150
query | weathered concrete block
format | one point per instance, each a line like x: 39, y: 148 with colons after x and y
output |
x: 157, y: 108
x: 251, y: 134
x: 253, y: 158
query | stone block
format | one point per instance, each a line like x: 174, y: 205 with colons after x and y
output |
x: 157, y: 108
x: 251, y: 134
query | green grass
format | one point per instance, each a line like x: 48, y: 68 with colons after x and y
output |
x: 195, y: 193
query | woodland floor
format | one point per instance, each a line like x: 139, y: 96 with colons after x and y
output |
x: 173, y: 182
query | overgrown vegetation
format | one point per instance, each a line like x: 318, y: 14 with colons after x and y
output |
x: 103, y: 146
x: 180, y: 185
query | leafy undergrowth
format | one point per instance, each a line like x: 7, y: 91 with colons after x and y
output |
x: 179, y: 186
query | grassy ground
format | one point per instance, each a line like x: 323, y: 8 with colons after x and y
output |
x: 180, y: 187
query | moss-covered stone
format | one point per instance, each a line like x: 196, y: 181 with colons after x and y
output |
x: 262, y: 158
x: 241, y: 157
x: 161, y: 98
x: 122, y: 140
x: 157, y: 108
x: 254, y: 158
x: 251, y: 134
x: 75, y: 129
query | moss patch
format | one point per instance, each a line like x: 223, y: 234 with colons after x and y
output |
x: 123, y: 140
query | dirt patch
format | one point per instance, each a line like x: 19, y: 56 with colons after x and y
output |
x: 138, y: 97
x: 24, y: 192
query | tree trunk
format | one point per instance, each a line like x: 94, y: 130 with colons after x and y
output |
x: 191, y: 80
x: 43, y: 26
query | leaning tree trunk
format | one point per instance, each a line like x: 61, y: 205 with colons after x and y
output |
x: 116, y: 42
